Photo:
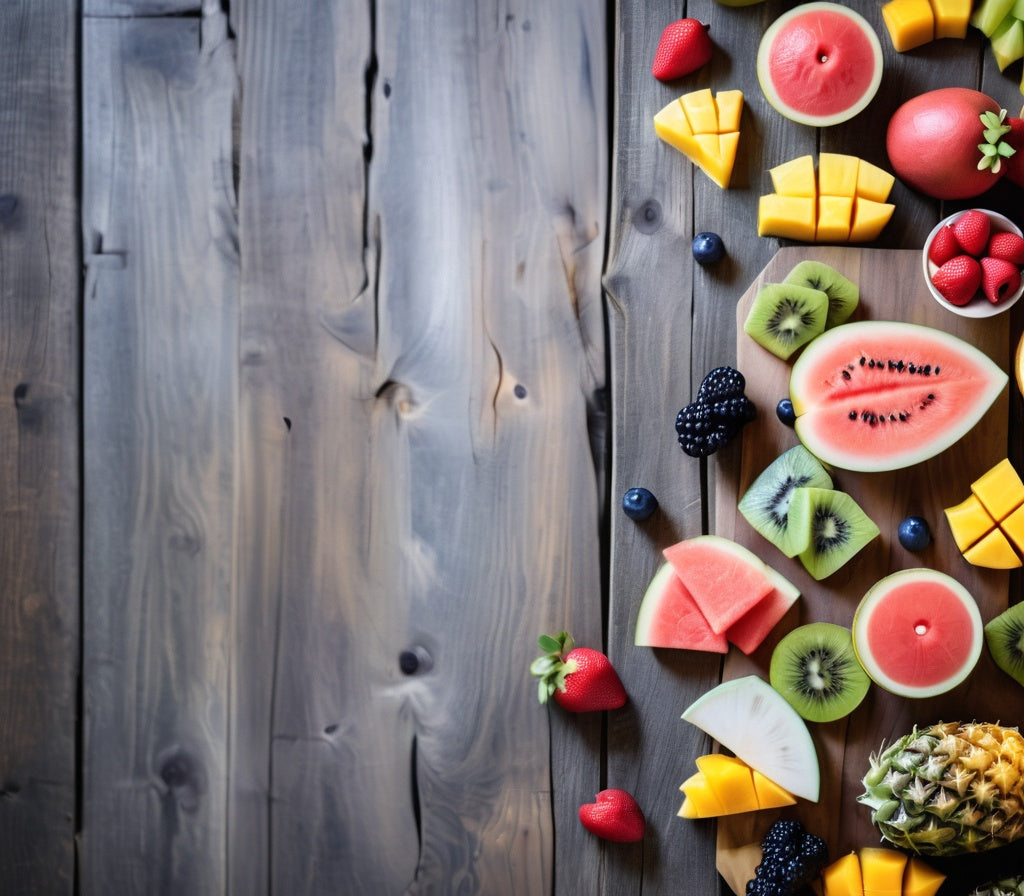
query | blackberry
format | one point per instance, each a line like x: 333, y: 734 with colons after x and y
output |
x: 736, y: 410
x: 782, y: 833
x: 722, y: 382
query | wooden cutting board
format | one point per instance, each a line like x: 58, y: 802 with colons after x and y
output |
x: 892, y: 288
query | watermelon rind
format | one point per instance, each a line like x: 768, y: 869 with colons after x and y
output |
x: 749, y: 717
x: 820, y: 375
x: 655, y: 602
x: 764, y: 66
x: 866, y: 651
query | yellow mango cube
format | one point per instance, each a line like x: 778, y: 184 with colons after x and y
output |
x: 873, y: 183
x: 843, y: 877
x: 769, y: 794
x: 795, y: 177
x: 1013, y: 528
x: 730, y: 110
x: 731, y: 780
x: 869, y: 218
x: 701, y: 111
x: 700, y: 801
x: 787, y: 216
x: 951, y: 17
x: 837, y: 174
x: 1000, y: 490
x: 968, y: 521
x: 910, y: 23
x: 920, y: 879
x: 993, y: 551
x: 882, y: 871
x: 834, y: 215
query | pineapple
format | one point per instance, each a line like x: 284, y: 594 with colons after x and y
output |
x: 950, y: 788
x: 1013, y: 886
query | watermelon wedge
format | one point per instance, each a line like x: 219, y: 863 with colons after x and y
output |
x: 748, y: 632
x: 670, y: 617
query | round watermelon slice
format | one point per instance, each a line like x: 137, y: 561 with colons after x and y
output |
x: 883, y: 395
x: 918, y: 633
x: 819, y: 64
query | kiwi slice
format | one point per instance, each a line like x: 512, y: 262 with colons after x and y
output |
x: 843, y: 294
x: 765, y: 505
x: 815, y: 669
x: 784, y: 316
x: 838, y: 528
x: 1004, y: 636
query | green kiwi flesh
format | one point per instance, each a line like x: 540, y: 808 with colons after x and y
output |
x: 1004, y: 636
x: 765, y: 505
x: 815, y: 668
x: 784, y: 317
x: 838, y: 527
x: 843, y: 294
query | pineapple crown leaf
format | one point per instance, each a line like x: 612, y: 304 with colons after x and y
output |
x: 994, y: 149
x: 551, y: 668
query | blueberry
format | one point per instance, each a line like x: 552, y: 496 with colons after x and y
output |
x: 784, y: 411
x: 914, y: 533
x: 638, y: 504
x: 707, y: 248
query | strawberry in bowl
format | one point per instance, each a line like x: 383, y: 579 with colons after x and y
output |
x: 973, y: 261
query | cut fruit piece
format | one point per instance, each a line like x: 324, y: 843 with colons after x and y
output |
x: 795, y: 178
x: 783, y: 317
x: 769, y: 794
x: 724, y: 578
x: 815, y: 668
x: 1008, y: 42
x: 869, y: 219
x: 882, y: 395
x: 749, y: 632
x: 882, y: 870
x: 735, y: 788
x: 765, y: 505
x: 843, y: 877
x: 704, y: 128
x: 701, y: 801
x: 988, y: 527
x: 910, y: 23
x: 1004, y: 636
x: 1013, y: 528
x: 920, y: 879
x: 791, y: 217
x: 993, y: 551
x: 819, y: 64
x: 873, y: 183
x: 843, y: 294
x: 670, y: 617
x: 918, y: 633
x: 968, y: 522
x: 751, y: 719
x: 839, y: 529
x: 989, y: 14
x: 834, y: 216
x: 837, y: 174
x: 1000, y: 490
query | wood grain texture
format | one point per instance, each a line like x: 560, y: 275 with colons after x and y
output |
x: 160, y: 394
x: 39, y: 446
x: 422, y: 228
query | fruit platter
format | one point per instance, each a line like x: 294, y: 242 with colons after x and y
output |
x: 814, y: 560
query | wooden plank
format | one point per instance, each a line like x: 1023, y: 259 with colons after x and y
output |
x: 39, y: 453
x: 147, y: 8
x: 422, y: 372
x: 160, y: 393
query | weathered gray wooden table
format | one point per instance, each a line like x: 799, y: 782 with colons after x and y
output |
x: 331, y: 334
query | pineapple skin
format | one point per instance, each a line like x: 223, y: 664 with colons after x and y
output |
x: 1012, y: 886
x: 949, y: 788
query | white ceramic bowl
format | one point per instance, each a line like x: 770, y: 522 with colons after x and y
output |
x: 978, y: 307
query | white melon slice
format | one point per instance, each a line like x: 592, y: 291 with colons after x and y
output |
x: 750, y: 718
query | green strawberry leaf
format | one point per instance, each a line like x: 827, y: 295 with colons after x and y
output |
x: 1005, y: 150
x: 549, y: 644
x: 543, y: 665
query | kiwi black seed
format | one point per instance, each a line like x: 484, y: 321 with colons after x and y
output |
x: 838, y: 528
x: 815, y: 668
x: 784, y: 317
x: 1004, y: 636
x: 843, y: 294
x: 765, y: 505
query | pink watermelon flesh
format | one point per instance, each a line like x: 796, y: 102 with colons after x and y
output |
x: 669, y: 617
x: 916, y: 633
x: 749, y: 632
x: 724, y: 578
x: 879, y: 395
x: 821, y: 63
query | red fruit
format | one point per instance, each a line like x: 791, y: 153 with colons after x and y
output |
x: 1000, y: 279
x: 684, y: 47
x: 933, y: 143
x: 971, y: 230
x: 1014, y: 164
x: 944, y: 247
x: 958, y: 279
x: 615, y: 816
x: 1006, y: 245
x: 580, y: 679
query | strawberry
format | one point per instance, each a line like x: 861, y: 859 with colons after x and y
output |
x: 999, y: 279
x: 580, y: 679
x: 684, y: 47
x: 1007, y: 245
x: 944, y: 247
x: 971, y: 230
x: 958, y: 279
x: 615, y: 816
